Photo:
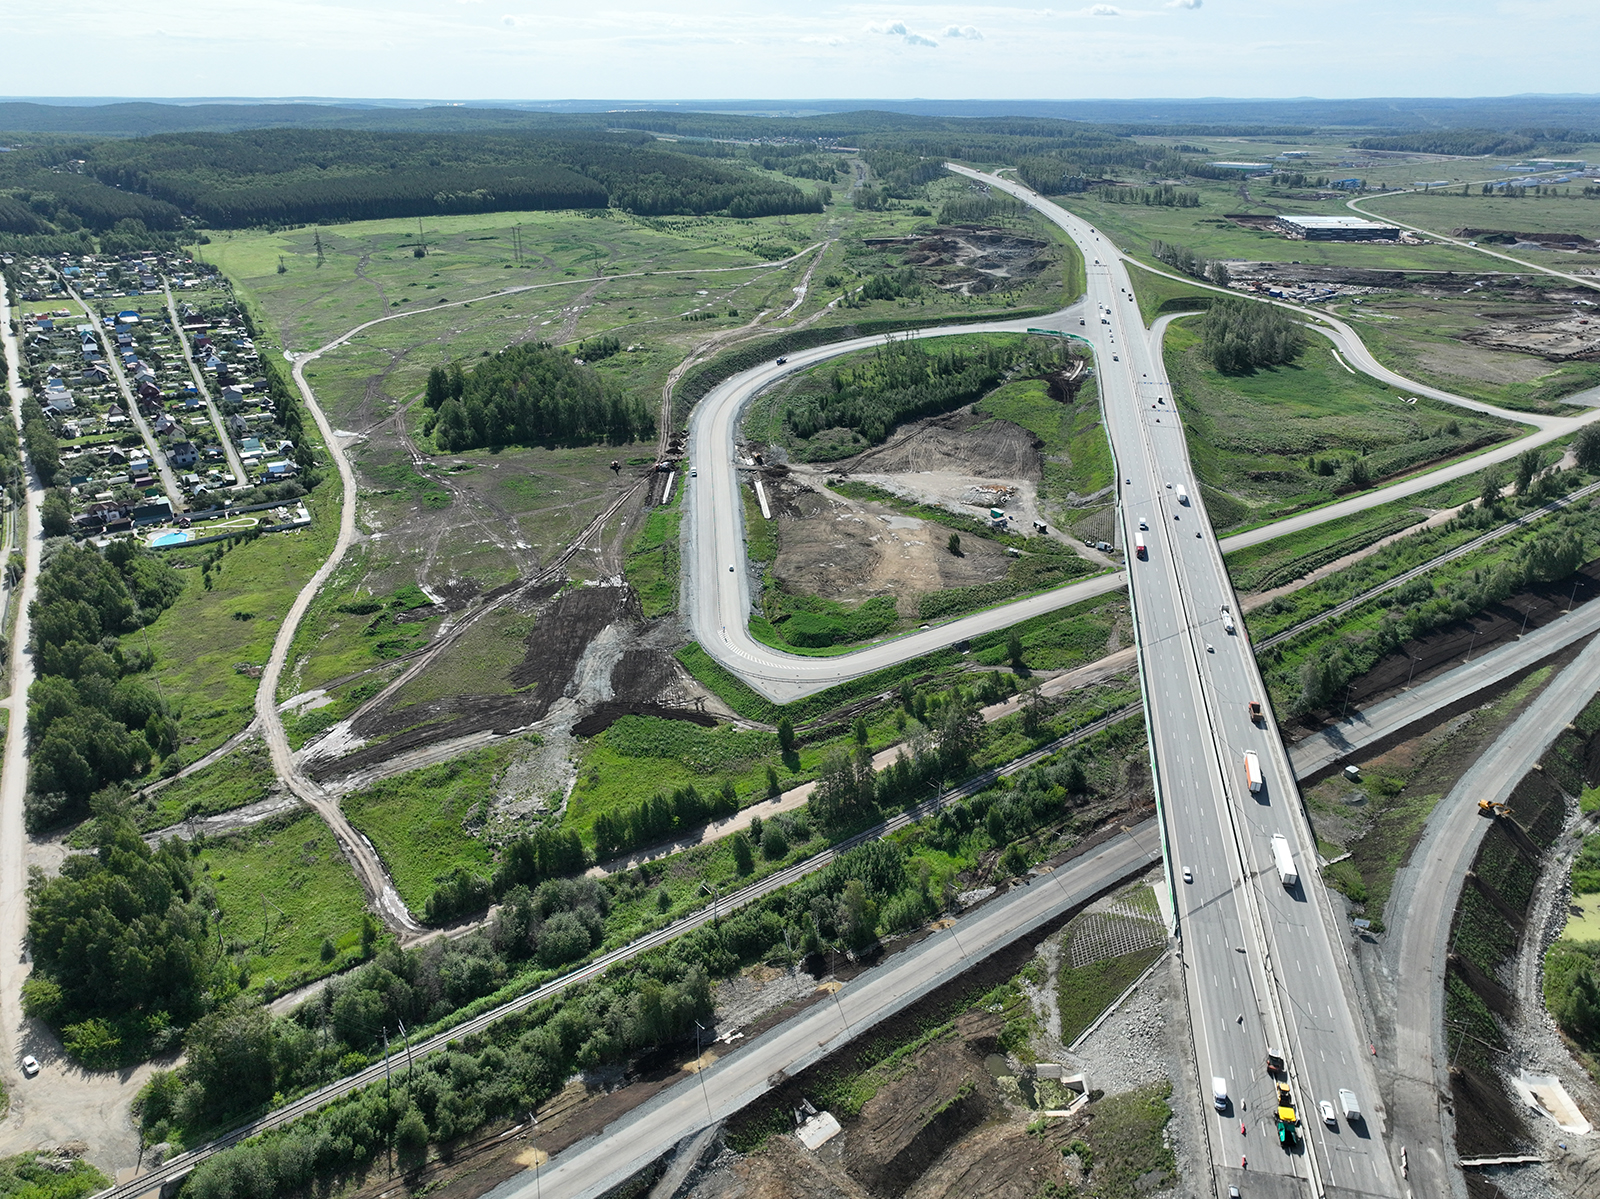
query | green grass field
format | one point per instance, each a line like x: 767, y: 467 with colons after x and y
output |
x: 1208, y: 232
x: 1446, y: 211
x: 1282, y: 439
x: 203, y: 642
x: 283, y: 887
x: 424, y: 823
x: 652, y: 561
x: 241, y: 777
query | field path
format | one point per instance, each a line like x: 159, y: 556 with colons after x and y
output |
x: 363, y: 857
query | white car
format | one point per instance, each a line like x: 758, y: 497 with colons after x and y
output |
x: 694, y: 473
x: 1328, y: 1117
x: 730, y: 568
x: 30, y: 1065
x: 1143, y: 523
x: 1188, y: 875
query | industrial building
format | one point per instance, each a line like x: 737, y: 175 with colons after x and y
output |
x: 1334, y: 228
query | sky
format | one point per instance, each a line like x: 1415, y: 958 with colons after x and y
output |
x: 797, y: 49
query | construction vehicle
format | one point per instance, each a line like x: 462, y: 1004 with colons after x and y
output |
x: 1274, y: 1062
x: 1489, y: 807
x: 1286, y: 1113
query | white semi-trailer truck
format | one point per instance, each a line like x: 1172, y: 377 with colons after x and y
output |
x: 1284, y: 861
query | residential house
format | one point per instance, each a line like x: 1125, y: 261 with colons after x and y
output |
x: 183, y: 455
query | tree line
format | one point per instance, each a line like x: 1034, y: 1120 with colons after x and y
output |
x: 898, y: 382
x: 92, y: 720
x: 1186, y: 260
x: 1164, y: 195
x: 531, y: 394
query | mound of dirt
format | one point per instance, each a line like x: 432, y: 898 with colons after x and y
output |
x: 960, y: 442
x: 607, y: 714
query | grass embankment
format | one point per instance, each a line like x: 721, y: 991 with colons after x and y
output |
x: 289, y: 901
x: 651, y: 563
x: 1072, y: 636
x: 45, y: 1176
x: 1084, y: 992
x: 424, y: 823
x: 1380, y: 817
x: 1282, y: 439
x: 1158, y: 295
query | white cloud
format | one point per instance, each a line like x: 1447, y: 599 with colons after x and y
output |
x: 1184, y: 3
x: 1105, y: 10
x: 825, y: 41
x: 965, y: 31
x: 898, y: 29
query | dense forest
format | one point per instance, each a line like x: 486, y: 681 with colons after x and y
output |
x: 1474, y: 142
x: 294, y: 176
x: 531, y: 394
x: 93, y: 722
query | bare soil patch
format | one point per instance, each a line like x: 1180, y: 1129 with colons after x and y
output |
x: 971, y: 261
x: 844, y: 549
x: 1567, y: 338
x: 959, y: 443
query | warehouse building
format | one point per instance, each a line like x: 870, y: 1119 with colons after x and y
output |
x: 1335, y: 228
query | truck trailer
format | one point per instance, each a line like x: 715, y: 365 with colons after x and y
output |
x: 1252, y: 770
x: 1284, y: 861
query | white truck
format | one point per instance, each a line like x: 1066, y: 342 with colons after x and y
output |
x: 1183, y: 496
x: 1219, y: 1093
x: 1252, y: 770
x: 1227, y: 619
x: 1347, y: 1101
x: 1284, y: 861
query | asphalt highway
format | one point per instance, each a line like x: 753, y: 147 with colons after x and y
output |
x: 595, y: 1165
x: 1263, y: 961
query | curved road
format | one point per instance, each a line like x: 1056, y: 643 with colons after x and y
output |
x: 1426, y: 891
x: 717, y: 595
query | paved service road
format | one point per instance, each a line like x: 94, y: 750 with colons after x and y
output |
x: 1263, y: 960
x: 1424, y: 901
x: 595, y: 1165
x: 1383, y: 719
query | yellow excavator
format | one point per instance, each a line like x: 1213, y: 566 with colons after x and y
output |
x: 1489, y: 807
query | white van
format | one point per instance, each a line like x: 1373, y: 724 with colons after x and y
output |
x: 1219, y: 1093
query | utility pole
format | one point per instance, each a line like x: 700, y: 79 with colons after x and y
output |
x: 422, y: 238
x: 701, y: 1069
x: 406, y: 1041
x: 386, y: 1081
